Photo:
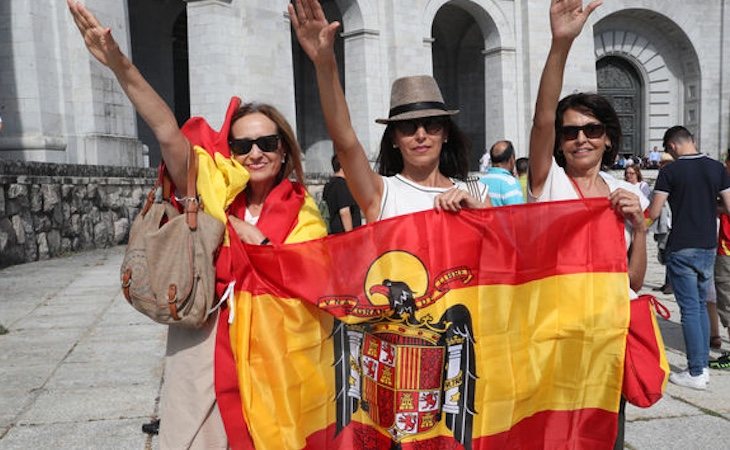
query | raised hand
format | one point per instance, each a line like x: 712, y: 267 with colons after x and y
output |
x: 98, y: 39
x: 567, y: 17
x: 314, y: 33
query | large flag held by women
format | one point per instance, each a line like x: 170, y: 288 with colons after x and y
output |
x: 498, y: 328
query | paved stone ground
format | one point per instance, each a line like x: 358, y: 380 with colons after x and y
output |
x: 80, y: 369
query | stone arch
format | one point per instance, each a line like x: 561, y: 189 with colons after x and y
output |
x: 490, y: 17
x: 474, y: 62
x: 667, y: 63
x: 311, y: 130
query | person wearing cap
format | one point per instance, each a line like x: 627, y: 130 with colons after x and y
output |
x: 423, y: 158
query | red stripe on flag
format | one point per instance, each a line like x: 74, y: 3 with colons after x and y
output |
x: 578, y: 429
x: 498, y: 244
x: 583, y: 428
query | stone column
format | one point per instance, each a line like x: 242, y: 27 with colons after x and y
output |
x: 501, y: 111
x: 58, y: 103
x: 239, y: 48
x: 724, y: 94
x: 365, y: 82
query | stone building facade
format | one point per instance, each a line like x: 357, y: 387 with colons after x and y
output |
x: 660, y: 65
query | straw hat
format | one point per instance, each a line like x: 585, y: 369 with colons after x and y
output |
x: 414, y: 97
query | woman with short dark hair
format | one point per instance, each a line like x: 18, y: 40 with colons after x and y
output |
x: 573, y: 138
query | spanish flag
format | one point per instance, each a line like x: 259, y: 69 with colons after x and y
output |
x: 486, y: 329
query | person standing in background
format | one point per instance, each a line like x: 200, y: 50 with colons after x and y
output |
x: 504, y: 189
x: 722, y: 267
x: 661, y: 228
x: 522, y: 165
x: 343, y: 210
x: 692, y: 185
x: 632, y: 174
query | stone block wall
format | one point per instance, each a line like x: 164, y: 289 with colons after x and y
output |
x: 47, y: 210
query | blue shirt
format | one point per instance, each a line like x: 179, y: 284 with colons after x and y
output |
x: 504, y: 188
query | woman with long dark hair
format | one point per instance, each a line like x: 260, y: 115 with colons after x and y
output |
x: 423, y: 160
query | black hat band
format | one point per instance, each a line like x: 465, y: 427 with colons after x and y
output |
x: 418, y: 106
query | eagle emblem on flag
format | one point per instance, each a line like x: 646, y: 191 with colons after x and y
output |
x: 407, y: 370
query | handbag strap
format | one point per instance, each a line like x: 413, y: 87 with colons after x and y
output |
x: 659, y: 307
x: 190, y: 201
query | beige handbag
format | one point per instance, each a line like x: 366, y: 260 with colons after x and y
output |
x: 168, y: 272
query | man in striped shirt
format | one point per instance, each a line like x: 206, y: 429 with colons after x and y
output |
x: 504, y: 187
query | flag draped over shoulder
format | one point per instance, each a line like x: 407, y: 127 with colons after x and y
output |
x: 497, y: 328
x: 288, y: 215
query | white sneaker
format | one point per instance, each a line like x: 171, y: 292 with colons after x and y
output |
x: 684, y: 378
x: 706, y: 375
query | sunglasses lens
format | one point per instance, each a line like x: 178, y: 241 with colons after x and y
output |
x: 433, y: 125
x: 268, y: 143
x: 594, y: 130
x: 570, y: 132
x: 406, y: 127
x: 241, y: 146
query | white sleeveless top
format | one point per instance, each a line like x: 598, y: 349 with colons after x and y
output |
x: 403, y: 196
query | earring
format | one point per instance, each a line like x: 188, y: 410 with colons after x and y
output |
x: 395, y: 146
x: 283, y: 159
x: 446, y: 140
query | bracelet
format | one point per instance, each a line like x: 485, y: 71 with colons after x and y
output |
x: 265, y: 241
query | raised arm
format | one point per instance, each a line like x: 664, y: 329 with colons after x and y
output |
x: 567, y: 18
x: 316, y: 36
x: 146, y: 101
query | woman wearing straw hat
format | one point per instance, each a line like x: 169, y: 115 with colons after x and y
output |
x: 423, y: 156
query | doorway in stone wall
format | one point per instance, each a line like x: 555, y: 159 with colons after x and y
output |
x: 311, y: 131
x: 158, y: 32
x: 621, y: 84
x: 180, y: 68
x: 458, y: 66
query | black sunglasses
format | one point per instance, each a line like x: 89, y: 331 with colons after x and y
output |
x: 591, y: 131
x: 432, y: 125
x: 265, y: 143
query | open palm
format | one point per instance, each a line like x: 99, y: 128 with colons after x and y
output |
x: 567, y: 17
x: 98, y: 39
x: 314, y: 33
